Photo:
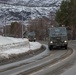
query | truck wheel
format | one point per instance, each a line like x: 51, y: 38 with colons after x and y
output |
x: 34, y: 40
x: 50, y: 47
x: 65, y: 46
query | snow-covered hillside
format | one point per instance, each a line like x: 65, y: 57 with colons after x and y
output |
x: 13, y: 10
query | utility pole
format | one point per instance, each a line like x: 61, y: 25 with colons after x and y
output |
x: 22, y: 22
x: 4, y: 21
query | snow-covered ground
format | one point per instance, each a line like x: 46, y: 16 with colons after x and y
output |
x: 28, y: 9
x: 9, y: 46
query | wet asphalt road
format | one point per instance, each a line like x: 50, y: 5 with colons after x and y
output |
x: 65, y: 67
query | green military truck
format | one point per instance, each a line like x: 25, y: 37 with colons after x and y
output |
x: 32, y: 36
x: 57, y: 37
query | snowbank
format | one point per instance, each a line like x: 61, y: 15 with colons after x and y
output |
x: 9, y: 42
x: 10, y: 46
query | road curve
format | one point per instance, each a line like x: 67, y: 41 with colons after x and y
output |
x: 39, y: 60
x: 60, y: 66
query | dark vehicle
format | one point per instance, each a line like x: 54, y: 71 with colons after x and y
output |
x: 57, y: 37
x: 31, y: 36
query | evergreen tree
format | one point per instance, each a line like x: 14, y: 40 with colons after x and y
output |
x: 66, y: 15
x: 62, y: 15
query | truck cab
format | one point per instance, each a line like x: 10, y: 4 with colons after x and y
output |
x: 31, y: 36
x: 57, y: 37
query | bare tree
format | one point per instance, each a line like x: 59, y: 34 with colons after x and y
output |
x: 40, y: 26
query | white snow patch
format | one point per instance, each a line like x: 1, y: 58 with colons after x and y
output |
x: 16, y: 46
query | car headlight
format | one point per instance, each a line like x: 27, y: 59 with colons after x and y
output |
x: 65, y: 41
x: 51, y: 41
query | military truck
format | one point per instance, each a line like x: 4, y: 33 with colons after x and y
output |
x: 57, y: 37
x: 31, y: 36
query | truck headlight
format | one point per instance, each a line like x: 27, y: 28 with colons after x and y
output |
x: 51, y: 41
x: 65, y: 41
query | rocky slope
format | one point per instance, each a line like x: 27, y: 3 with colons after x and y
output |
x: 14, y: 10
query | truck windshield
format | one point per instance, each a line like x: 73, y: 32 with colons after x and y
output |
x: 58, y: 32
x: 32, y: 34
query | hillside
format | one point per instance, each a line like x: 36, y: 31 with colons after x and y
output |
x: 13, y: 10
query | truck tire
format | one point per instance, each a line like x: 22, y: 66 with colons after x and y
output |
x: 50, y: 47
x: 65, y: 46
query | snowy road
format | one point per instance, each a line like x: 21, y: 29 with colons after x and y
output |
x: 36, y: 62
x: 45, y: 63
x: 67, y: 67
